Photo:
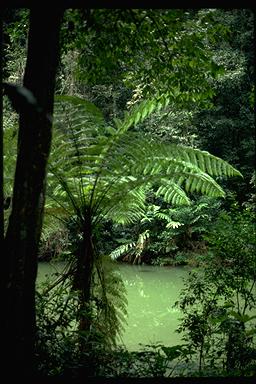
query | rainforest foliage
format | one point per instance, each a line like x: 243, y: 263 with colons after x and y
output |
x: 146, y: 132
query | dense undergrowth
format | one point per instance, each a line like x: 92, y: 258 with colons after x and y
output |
x: 218, y: 322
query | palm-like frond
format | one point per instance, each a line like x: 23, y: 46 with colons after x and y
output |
x: 123, y: 250
x: 141, y: 111
x: 133, y: 247
x: 110, y: 168
x: 170, y: 223
x: 129, y: 208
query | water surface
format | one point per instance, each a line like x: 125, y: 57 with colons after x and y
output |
x: 151, y: 293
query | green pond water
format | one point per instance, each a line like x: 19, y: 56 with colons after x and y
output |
x: 151, y: 293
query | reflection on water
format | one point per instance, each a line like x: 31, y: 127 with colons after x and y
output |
x: 151, y: 293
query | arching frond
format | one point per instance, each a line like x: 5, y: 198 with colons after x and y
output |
x: 129, y: 208
x: 174, y: 224
x: 141, y: 111
x: 170, y: 223
x: 206, y: 162
x: 145, y: 108
x: 110, y: 169
x: 179, y: 170
x: 142, y: 239
x: 134, y: 248
x: 77, y: 111
x: 122, y: 250
x: 172, y: 193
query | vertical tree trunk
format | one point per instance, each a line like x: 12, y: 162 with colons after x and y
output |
x: 83, y: 277
x: 23, y: 232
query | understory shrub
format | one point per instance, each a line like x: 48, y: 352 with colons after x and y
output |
x: 219, y: 301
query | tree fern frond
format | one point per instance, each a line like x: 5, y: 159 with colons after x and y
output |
x: 124, y: 216
x: 142, y: 110
x: 64, y: 190
x: 170, y: 223
x: 122, y: 250
x: 209, y: 163
x: 174, y: 224
x: 109, y: 166
x: 162, y: 216
x: 143, y: 237
x: 85, y: 107
x: 172, y: 193
x: 129, y: 208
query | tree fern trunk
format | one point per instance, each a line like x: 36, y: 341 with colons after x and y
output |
x: 83, y: 276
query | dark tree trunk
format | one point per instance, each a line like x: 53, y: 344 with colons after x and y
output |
x: 23, y: 232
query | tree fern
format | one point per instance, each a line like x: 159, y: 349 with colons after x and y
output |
x: 110, y: 168
x: 117, y: 159
x: 98, y: 171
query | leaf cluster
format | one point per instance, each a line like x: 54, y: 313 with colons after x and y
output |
x: 218, y: 302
